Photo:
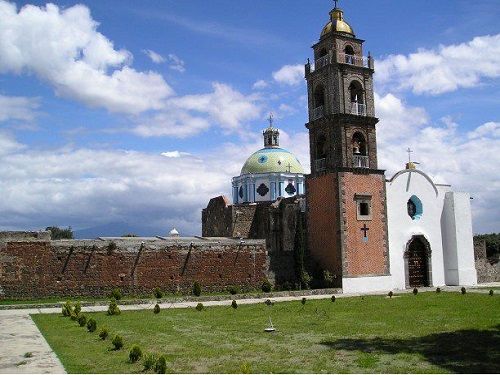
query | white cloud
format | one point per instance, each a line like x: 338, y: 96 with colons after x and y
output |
x: 445, y: 69
x: 83, y: 64
x: 175, y: 154
x: 260, y: 84
x: 175, y: 123
x: 289, y: 75
x: 176, y: 63
x: 18, y: 108
x: 155, y: 57
x: 467, y: 161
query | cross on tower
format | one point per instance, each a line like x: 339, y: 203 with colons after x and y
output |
x: 335, y: 1
x: 270, y: 120
x: 409, y: 151
x: 364, y: 230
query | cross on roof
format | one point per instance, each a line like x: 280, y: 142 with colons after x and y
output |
x: 271, y: 120
x: 409, y: 151
x: 289, y: 168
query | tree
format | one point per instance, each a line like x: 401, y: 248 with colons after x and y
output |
x: 57, y: 233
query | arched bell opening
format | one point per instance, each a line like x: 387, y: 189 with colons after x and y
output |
x: 418, y: 264
x: 359, y: 151
x: 319, y: 96
x: 349, y: 54
x: 356, y: 94
x: 320, y: 153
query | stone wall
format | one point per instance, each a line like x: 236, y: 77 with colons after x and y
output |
x: 37, y: 268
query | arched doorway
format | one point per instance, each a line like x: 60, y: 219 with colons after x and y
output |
x: 418, y: 262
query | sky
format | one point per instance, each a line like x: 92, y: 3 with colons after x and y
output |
x: 129, y: 116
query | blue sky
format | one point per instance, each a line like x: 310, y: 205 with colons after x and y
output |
x: 138, y: 112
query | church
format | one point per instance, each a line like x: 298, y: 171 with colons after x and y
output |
x: 371, y: 232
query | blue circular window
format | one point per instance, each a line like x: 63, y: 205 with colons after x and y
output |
x: 414, y: 206
x: 262, y: 159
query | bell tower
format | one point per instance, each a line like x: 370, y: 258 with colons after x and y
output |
x: 347, y: 219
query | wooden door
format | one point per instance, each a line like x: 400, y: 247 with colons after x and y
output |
x: 418, y: 264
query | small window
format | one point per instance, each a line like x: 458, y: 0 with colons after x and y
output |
x: 363, y: 207
x: 414, y: 207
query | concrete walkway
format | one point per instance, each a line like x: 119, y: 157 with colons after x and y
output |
x: 19, y: 334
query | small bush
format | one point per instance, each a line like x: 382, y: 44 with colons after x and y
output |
x: 463, y: 290
x: 490, y: 292
x: 104, y: 333
x: 117, y: 342
x: 305, y: 279
x: 268, y: 302
x: 196, y: 289
x: 303, y: 301
x: 266, y: 286
x: 161, y: 365
x: 135, y: 354
x: 113, y: 308
x: 28, y: 355
x: 82, y: 320
x: 158, y: 293
x: 91, y: 325
x: 234, y: 289
x: 328, y: 279
x: 438, y: 290
x: 333, y: 298
x: 67, y: 308
x: 149, y: 361
x: 156, y: 309
x: 199, y: 306
x: 78, y: 308
x: 415, y: 291
x: 111, y: 248
x: 390, y: 294
x: 73, y: 316
x: 116, y: 294
x: 234, y: 305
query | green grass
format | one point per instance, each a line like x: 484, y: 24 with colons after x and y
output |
x: 427, y: 333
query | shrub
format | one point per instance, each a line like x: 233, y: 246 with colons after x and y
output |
x: 78, y: 308
x: 303, y: 301
x: 268, y: 302
x: 305, y: 279
x: 135, y: 354
x: 82, y: 320
x: 116, y: 294
x: 73, y: 316
x: 234, y: 289
x: 415, y: 291
x: 390, y: 294
x: 196, y: 289
x: 490, y: 292
x: 462, y: 289
x: 438, y: 290
x: 117, y: 342
x: 111, y: 247
x: 91, y: 325
x: 234, y: 305
x: 161, y: 365
x: 113, y: 308
x: 328, y: 279
x: 266, y: 286
x: 149, y: 361
x: 104, y: 333
x: 333, y: 298
x: 156, y: 309
x: 199, y: 306
x: 157, y: 293
x: 67, y: 308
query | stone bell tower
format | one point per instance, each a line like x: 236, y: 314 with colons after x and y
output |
x: 346, y: 198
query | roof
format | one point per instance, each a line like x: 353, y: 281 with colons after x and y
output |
x: 272, y: 160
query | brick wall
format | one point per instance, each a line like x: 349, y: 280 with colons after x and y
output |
x: 323, y: 222
x: 44, y: 268
x: 360, y: 257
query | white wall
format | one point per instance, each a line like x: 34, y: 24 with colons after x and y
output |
x: 460, y: 268
x: 367, y: 284
x: 402, y: 228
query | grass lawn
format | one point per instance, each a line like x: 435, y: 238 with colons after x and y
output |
x: 429, y: 332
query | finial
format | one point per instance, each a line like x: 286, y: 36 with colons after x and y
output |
x: 409, y: 151
x: 335, y: 1
x: 410, y: 164
x: 271, y: 120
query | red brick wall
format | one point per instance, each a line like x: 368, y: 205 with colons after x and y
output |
x: 371, y: 257
x: 36, y: 268
x: 323, y: 222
